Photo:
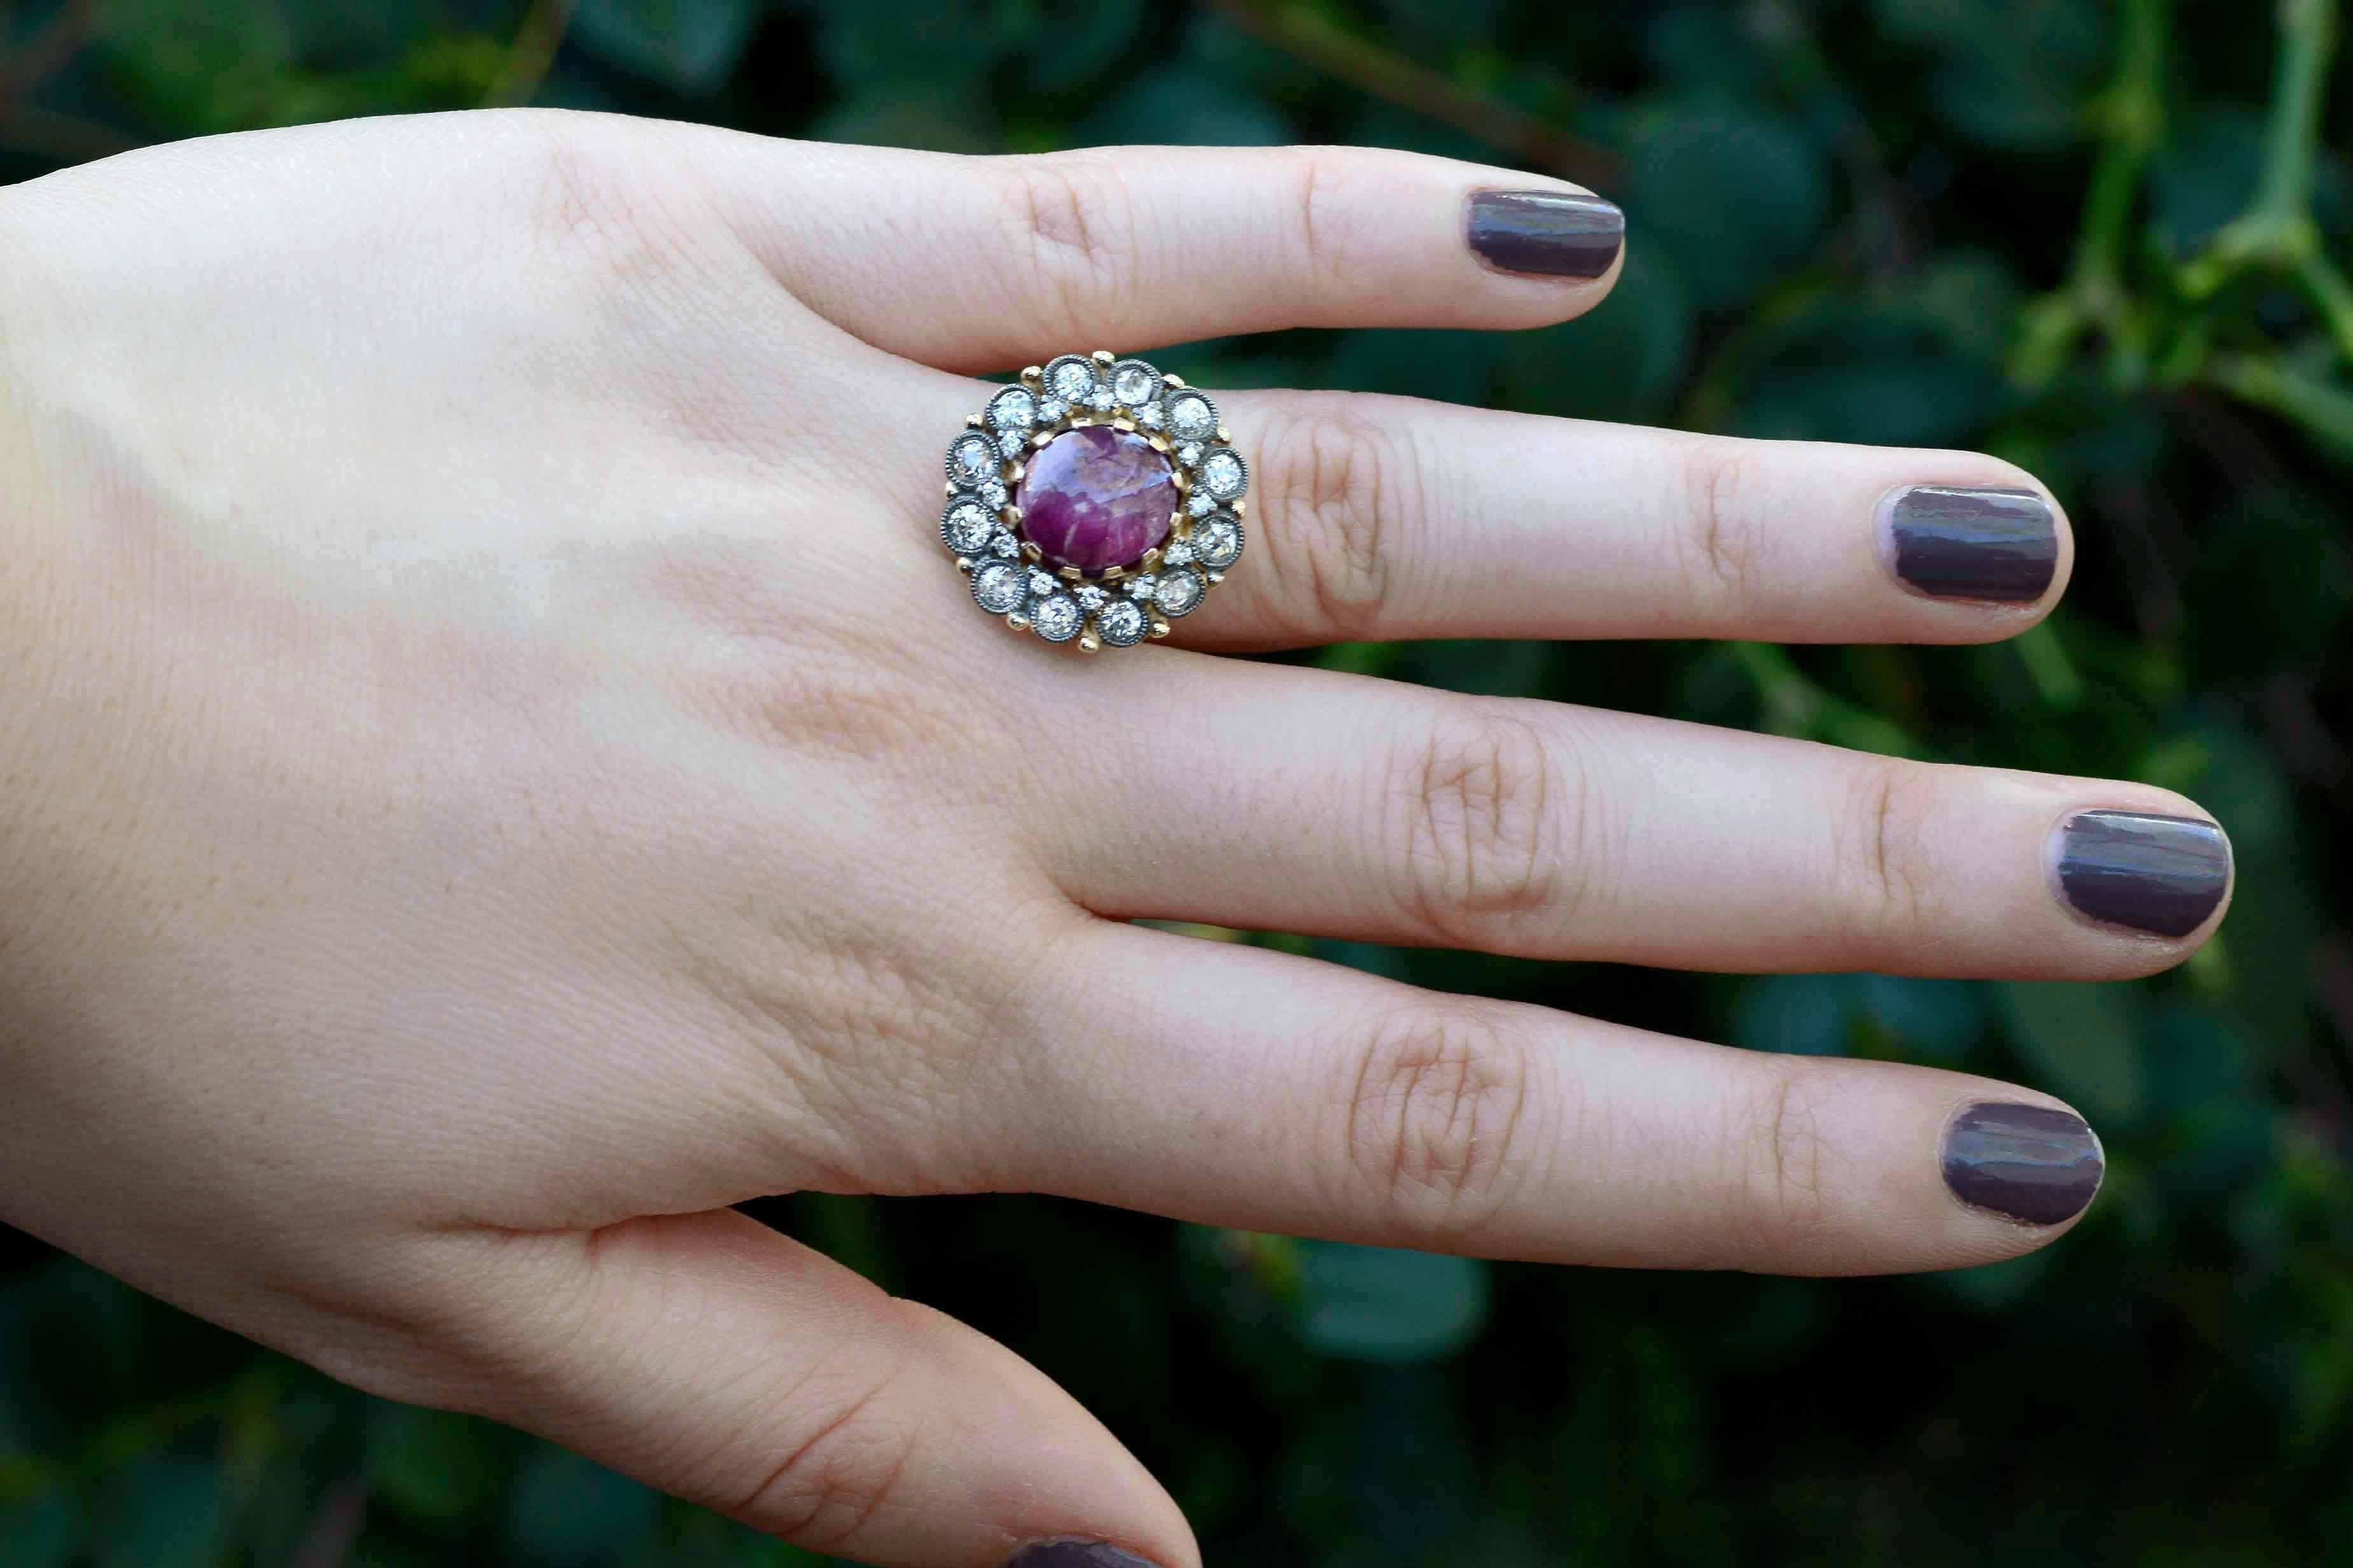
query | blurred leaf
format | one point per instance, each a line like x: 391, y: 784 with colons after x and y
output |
x: 213, y: 65
x: 1070, y: 46
x: 689, y: 45
x: 1731, y: 196
x: 2078, y: 1037
x: 887, y: 118
x: 162, y: 1512
x: 1931, y: 1020
x: 1452, y: 367
x: 2281, y: 550
x: 433, y: 1465
x: 1172, y: 105
x: 1380, y: 1304
x: 2014, y: 74
x: 935, y: 47
x: 2199, y: 179
x: 1995, y: 1287
x: 42, y: 1533
x: 1622, y: 360
x: 1706, y: 49
x: 1805, y: 1014
x: 566, y: 1512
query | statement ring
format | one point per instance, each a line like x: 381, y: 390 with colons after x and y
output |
x: 1096, y: 503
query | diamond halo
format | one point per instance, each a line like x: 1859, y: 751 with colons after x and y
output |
x: 1118, y: 605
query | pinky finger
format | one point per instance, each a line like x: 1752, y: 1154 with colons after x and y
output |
x: 708, y: 1356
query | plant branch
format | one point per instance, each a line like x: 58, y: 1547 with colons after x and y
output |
x: 1306, y: 34
x: 2129, y: 118
x: 2307, y: 36
x: 2276, y: 230
x: 2324, y: 410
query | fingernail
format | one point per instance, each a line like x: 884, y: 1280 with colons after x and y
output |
x: 2030, y: 1163
x: 2158, y: 874
x: 1075, y: 1554
x: 1970, y: 544
x: 1553, y: 234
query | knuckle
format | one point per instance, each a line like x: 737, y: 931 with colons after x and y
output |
x: 1337, y: 477
x: 1076, y: 225
x: 842, y: 1465
x: 1885, y: 892
x: 1722, y: 533
x: 1434, y: 1114
x: 1316, y: 178
x: 581, y: 202
x: 1482, y: 810
x: 1782, y: 1204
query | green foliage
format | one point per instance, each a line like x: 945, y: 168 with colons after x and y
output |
x: 2104, y: 240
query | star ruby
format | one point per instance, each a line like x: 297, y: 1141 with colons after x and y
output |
x: 1096, y: 497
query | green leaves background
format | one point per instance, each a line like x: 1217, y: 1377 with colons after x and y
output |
x: 2107, y: 240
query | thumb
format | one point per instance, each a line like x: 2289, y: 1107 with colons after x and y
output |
x: 708, y: 1356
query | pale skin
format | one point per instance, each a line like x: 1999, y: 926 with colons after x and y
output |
x: 499, y: 768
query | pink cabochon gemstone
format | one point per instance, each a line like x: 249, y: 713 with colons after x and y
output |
x: 1096, y: 497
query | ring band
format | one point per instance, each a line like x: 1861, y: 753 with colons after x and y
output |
x: 1096, y: 503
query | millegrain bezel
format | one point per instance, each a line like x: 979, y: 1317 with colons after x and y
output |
x: 1014, y: 440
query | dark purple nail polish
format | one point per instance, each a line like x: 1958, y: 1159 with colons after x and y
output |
x: 1553, y: 234
x: 2158, y: 874
x: 2035, y: 1163
x: 1970, y: 544
x: 1075, y: 1554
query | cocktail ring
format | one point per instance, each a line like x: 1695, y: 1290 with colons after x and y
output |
x: 1096, y: 503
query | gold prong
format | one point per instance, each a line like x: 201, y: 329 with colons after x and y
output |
x: 1031, y: 552
x: 947, y: 487
x: 1159, y: 444
x: 1240, y: 508
x: 1176, y: 383
x: 1159, y: 629
x: 1103, y: 357
x: 1216, y: 578
x: 1018, y: 621
x: 1041, y: 439
x: 1151, y: 560
x: 1222, y: 438
x: 1015, y: 477
x: 1070, y: 574
x: 1012, y: 514
x: 1034, y: 377
x: 965, y: 565
x: 1115, y: 574
x: 975, y: 420
x: 1126, y: 425
x: 1090, y: 643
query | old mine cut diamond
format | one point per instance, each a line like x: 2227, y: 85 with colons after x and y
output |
x: 1097, y: 498
x: 1000, y: 587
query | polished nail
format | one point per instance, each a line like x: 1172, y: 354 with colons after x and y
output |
x: 2031, y: 1163
x: 2158, y: 874
x: 1550, y: 233
x: 1970, y: 544
x: 1075, y: 1554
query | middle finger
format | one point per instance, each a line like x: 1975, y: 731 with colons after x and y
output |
x: 1333, y: 805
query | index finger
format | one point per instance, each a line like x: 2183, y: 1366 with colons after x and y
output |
x: 977, y: 264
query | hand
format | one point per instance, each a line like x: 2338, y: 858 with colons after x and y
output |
x: 501, y: 769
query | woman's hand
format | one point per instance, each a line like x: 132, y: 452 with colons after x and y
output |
x: 498, y: 769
